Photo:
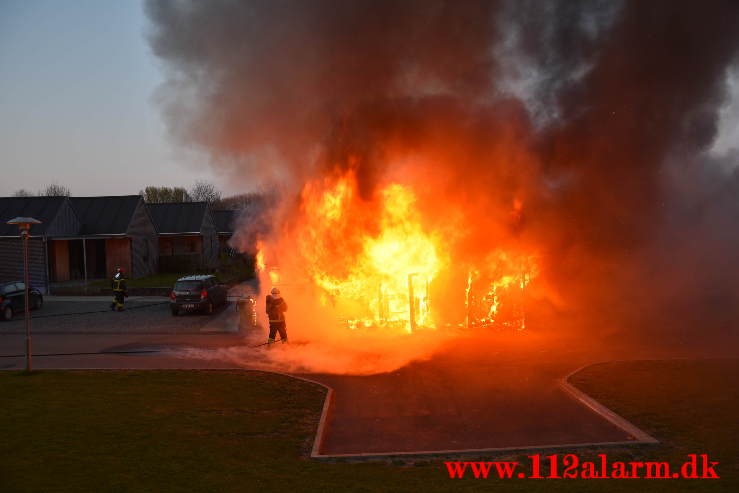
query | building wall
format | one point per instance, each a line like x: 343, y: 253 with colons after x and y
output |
x: 180, y: 245
x: 181, y: 254
x: 11, y: 261
x: 118, y: 254
x: 96, y: 267
x: 144, y: 244
x: 166, y: 246
x: 223, y: 245
x: 59, y: 259
x: 210, y: 241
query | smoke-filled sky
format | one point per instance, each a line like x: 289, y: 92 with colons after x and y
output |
x: 615, y: 123
x: 77, y: 93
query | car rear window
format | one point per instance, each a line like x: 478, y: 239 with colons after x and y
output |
x: 188, y: 285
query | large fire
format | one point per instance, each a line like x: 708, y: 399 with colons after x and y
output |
x: 387, y: 273
x: 374, y: 264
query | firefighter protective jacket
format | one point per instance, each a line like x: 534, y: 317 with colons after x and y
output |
x: 276, y: 308
x: 118, y: 284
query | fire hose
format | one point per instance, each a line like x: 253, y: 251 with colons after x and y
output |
x: 268, y: 342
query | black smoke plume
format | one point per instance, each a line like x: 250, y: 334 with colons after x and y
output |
x: 598, y: 115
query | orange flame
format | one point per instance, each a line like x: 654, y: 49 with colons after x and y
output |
x: 498, y: 295
x: 373, y: 264
x: 373, y: 288
x: 260, y: 265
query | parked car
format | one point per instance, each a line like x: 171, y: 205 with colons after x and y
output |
x: 200, y: 293
x: 13, y: 298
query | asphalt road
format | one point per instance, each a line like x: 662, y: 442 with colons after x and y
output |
x: 82, y: 332
x: 92, y: 315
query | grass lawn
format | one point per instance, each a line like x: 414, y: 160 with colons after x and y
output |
x: 165, y: 280
x: 250, y: 431
x: 229, y: 274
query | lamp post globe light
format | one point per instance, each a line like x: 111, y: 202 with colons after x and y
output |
x: 24, y: 224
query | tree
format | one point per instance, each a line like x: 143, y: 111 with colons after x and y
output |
x: 55, y: 190
x: 22, y: 193
x: 241, y: 201
x: 160, y: 195
x: 205, y: 192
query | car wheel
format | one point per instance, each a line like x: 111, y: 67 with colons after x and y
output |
x: 175, y: 311
x: 7, y: 313
x: 38, y: 302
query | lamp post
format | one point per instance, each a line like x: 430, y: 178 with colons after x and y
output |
x: 24, y: 224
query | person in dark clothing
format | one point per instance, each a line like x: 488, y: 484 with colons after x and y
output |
x: 276, y: 308
x: 118, y: 284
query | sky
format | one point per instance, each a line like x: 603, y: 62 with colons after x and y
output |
x: 77, y: 84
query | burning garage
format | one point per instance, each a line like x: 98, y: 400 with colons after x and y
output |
x: 395, y: 274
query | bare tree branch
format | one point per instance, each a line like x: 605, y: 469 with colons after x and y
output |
x: 204, y: 191
x: 55, y: 190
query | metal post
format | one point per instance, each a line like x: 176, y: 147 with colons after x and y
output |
x: 468, y: 315
x: 84, y: 260
x: 47, y: 278
x: 411, y: 303
x: 24, y: 224
x: 380, y: 305
x: 523, y: 302
x: 426, y: 303
x: 25, y: 234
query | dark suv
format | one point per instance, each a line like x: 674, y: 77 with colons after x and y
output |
x: 13, y: 298
x: 197, y: 293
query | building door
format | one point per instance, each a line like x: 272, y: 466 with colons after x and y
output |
x: 96, y: 259
x: 76, y: 260
x: 59, y: 260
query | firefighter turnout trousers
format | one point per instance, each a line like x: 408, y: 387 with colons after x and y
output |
x: 119, y: 295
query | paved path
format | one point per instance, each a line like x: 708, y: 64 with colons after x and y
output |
x: 456, y: 402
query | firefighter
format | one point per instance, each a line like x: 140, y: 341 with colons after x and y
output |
x: 276, y: 308
x: 119, y: 289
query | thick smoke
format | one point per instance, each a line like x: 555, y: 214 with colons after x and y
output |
x: 596, y: 114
